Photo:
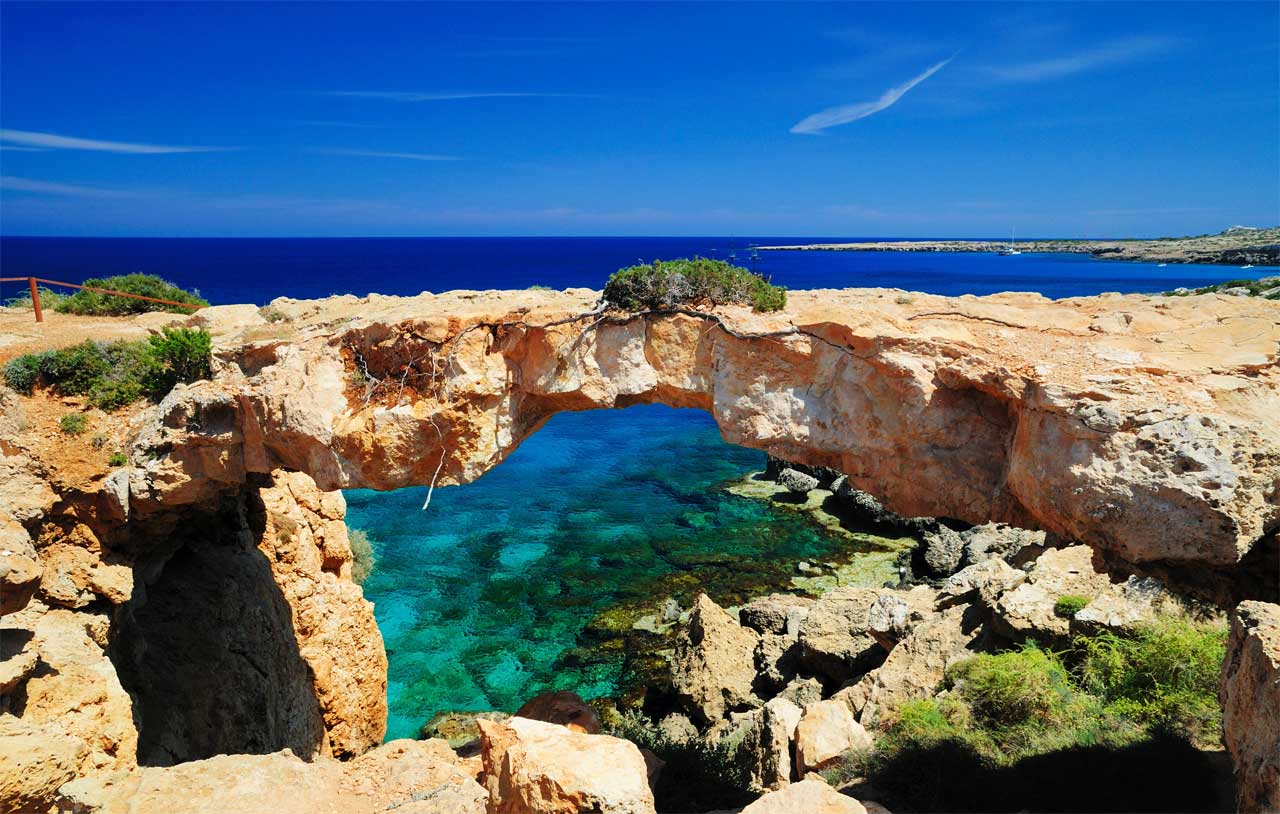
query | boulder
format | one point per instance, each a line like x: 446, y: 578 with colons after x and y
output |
x: 887, y: 620
x: 776, y: 656
x: 20, y: 567
x: 1122, y: 606
x: 941, y: 550
x: 802, y: 691
x: 776, y: 613
x: 778, y: 724
x: 532, y: 767
x: 826, y: 731
x: 677, y: 728
x: 863, y: 506
x: 810, y: 796
x: 713, y: 666
x: 1249, y: 690
x: 797, y: 482
x: 35, y: 759
x: 834, y: 639
x: 458, y: 728
x: 563, y: 707
x: 989, y: 578
x: 1027, y: 611
x: 997, y: 540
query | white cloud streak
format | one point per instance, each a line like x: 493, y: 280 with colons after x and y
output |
x: 1116, y: 52
x: 381, y: 154
x: 843, y: 114
x: 53, y: 141
x: 407, y: 96
x: 15, y: 184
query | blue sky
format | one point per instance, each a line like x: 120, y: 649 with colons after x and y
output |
x: 526, y: 119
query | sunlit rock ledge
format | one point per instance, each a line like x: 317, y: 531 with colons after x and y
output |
x: 1135, y: 424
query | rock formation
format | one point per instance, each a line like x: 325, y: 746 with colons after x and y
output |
x: 1250, y: 695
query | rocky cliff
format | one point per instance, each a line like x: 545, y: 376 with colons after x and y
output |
x: 198, y: 601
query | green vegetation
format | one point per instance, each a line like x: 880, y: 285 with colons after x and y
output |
x: 73, y: 423
x: 146, y: 285
x: 1068, y: 605
x: 699, y: 773
x: 362, y: 559
x: 49, y: 299
x: 273, y: 315
x: 1266, y: 287
x: 666, y: 284
x: 118, y: 459
x: 1011, y: 720
x: 113, y: 374
x: 536, y: 287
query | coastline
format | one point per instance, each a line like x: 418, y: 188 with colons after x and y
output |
x: 1234, y: 246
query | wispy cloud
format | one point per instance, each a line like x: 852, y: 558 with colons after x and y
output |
x: 843, y: 114
x: 16, y: 149
x: 410, y: 96
x: 53, y: 141
x: 381, y: 154
x: 1116, y: 52
x: 15, y: 184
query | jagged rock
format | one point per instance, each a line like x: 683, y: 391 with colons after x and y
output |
x: 25, y: 496
x: 561, y: 707
x: 802, y: 691
x: 915, y: 667
x: 114, y: 497
x: 712, y: 669
x: 779, y: 720
x: 18, y: 660
x: 827, y: 730
x: 20, y: 567
x: 989, y: 578
x: 834, y: 638
x: 941, y: 550
x: 775, y: 661
x: 797, y: 482
x: 991, y: 540
x: 1027, y: 611
x: 1249, y: 690
x: 677, y: 728
x: 810, y: 796
x: 887, y: 620
x: 776, y: 613
x: 1122, y: 606
x: 35, y: 759
x: 531, y: 767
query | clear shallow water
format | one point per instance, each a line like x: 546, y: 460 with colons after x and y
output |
x: 484, y: 599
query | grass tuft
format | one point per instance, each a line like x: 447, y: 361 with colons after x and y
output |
x: 1068, y: 605
x: 73, y: 423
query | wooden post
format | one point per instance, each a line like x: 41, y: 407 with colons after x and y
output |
x: 35, y: 299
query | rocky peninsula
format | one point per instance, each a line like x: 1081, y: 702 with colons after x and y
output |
x: 181, y: 631
x: 1236, y: 246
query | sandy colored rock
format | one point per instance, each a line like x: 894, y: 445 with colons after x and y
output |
x: 1249, y: 690
x: 35, y: 759
x: 810, y: 796
x: 532, y: 767
x: 826, y: 731
x: 20, y: 568
x: 1028, y: 609
x: 562, y: 707
x: 776, y: 613
x: 779, y: 720
x: 713, y: 667
x: 835, y: 640
x: 990, y: 578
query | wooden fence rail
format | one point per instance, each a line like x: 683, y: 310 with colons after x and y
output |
x: 35, y: 293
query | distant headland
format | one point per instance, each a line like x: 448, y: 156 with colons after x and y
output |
x: 1238, y: 245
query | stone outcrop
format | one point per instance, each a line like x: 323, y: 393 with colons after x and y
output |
x: 1250, y: 695
x: 1126, y: 423
x: 713, y: 666
x: 810, y: 796
x: 532, y: 767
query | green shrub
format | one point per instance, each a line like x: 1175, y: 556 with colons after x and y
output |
x: 146, y: 285
x: 113, y: 374
x: 362, y: 559
x: 700, y: 773
x: 118, y: 459
x: 1008, y: 689
x: 672, y: 283
x: 49, y: 299
x: 1165, y: 674
x: 1068, y: 605
x: 73, y: 423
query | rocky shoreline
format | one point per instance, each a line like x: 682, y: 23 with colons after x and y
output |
x: 174, y: 623
x: 1238, y: 246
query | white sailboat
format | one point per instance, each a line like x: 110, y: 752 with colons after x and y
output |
x: 1011, y: 250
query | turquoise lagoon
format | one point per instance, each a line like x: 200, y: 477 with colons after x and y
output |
x: 483, y: 598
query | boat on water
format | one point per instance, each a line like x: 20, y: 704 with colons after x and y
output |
x: 1010, y: 249
x: 1247, y: 266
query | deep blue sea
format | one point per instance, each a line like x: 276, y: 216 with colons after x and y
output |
x: 502, y: 588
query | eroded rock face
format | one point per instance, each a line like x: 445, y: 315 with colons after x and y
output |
x: 1250, y: 694
x: 532, y: 767
x: 1126, y: 423
x: 713, y: 668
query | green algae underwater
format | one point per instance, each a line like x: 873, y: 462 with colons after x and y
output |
x: 553, y: 569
